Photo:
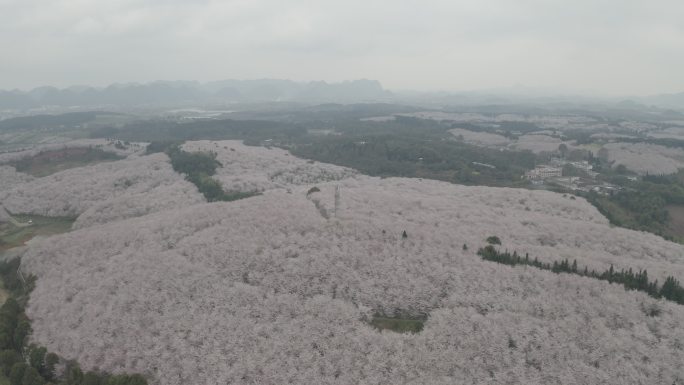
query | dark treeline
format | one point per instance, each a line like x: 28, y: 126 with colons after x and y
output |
x: 193, y: 162
x: 70, y: 119
x: 636, y: 210
x: 198, y: 168
x: 24, y: 364
x: 670, y: 290
x: 511, y: 130
x: 418, y: 148
x: 666, y: 142
x: 79, y: 155
x: 251, y: 131
x: 325, y: 112
x: 404, y: 146
x: 642, y: 204
x: 411, y: 147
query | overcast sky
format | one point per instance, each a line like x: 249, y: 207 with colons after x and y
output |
x: 603, y: 46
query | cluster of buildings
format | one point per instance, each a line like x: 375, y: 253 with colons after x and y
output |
x: 553, y: 173
x: 538, y: 174
x: 582, y: 165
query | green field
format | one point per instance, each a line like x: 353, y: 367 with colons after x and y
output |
x: 399, y: 325
x: 20, y: 232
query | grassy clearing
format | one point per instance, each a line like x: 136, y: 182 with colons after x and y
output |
x: 50, y: 162
x: 12, y: 235
x: 399, y: 325
x: 38, y: 365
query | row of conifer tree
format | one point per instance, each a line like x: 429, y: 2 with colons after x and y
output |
x: 670, y: 289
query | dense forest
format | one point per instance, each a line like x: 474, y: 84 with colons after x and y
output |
x: 198, y: 168
x: 22, y: 363
x: 298, y: 289
x: 51, y: 161
x: 402, y: 146
x: 394, y: 155
x: 641, y: 204
x: 24, y: 123
x: 419, y: 148
x: 413, y: 147
x: 251, y: 131
x: 408, y: 147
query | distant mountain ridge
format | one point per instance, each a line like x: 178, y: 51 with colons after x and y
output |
x: 186, y: 93
x: 675, y: 100
x: 176, y: 92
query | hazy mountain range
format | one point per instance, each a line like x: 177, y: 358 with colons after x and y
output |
x: 189, y: 92
x: 184, y: 93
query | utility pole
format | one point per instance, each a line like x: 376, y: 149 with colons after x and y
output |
x: 337, y: 200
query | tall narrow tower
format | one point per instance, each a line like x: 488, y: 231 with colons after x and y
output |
x: 337, y: 200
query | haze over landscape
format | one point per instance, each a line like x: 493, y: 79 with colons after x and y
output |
x: 604, y: 48
x: 318, y: 192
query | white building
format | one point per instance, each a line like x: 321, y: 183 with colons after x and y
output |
x: 583, y: 165
x: 543, y: 172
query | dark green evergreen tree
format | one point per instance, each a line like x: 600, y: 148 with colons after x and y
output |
x: 8, y: 358
x: 32, y: 377
x: 17, y: 373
